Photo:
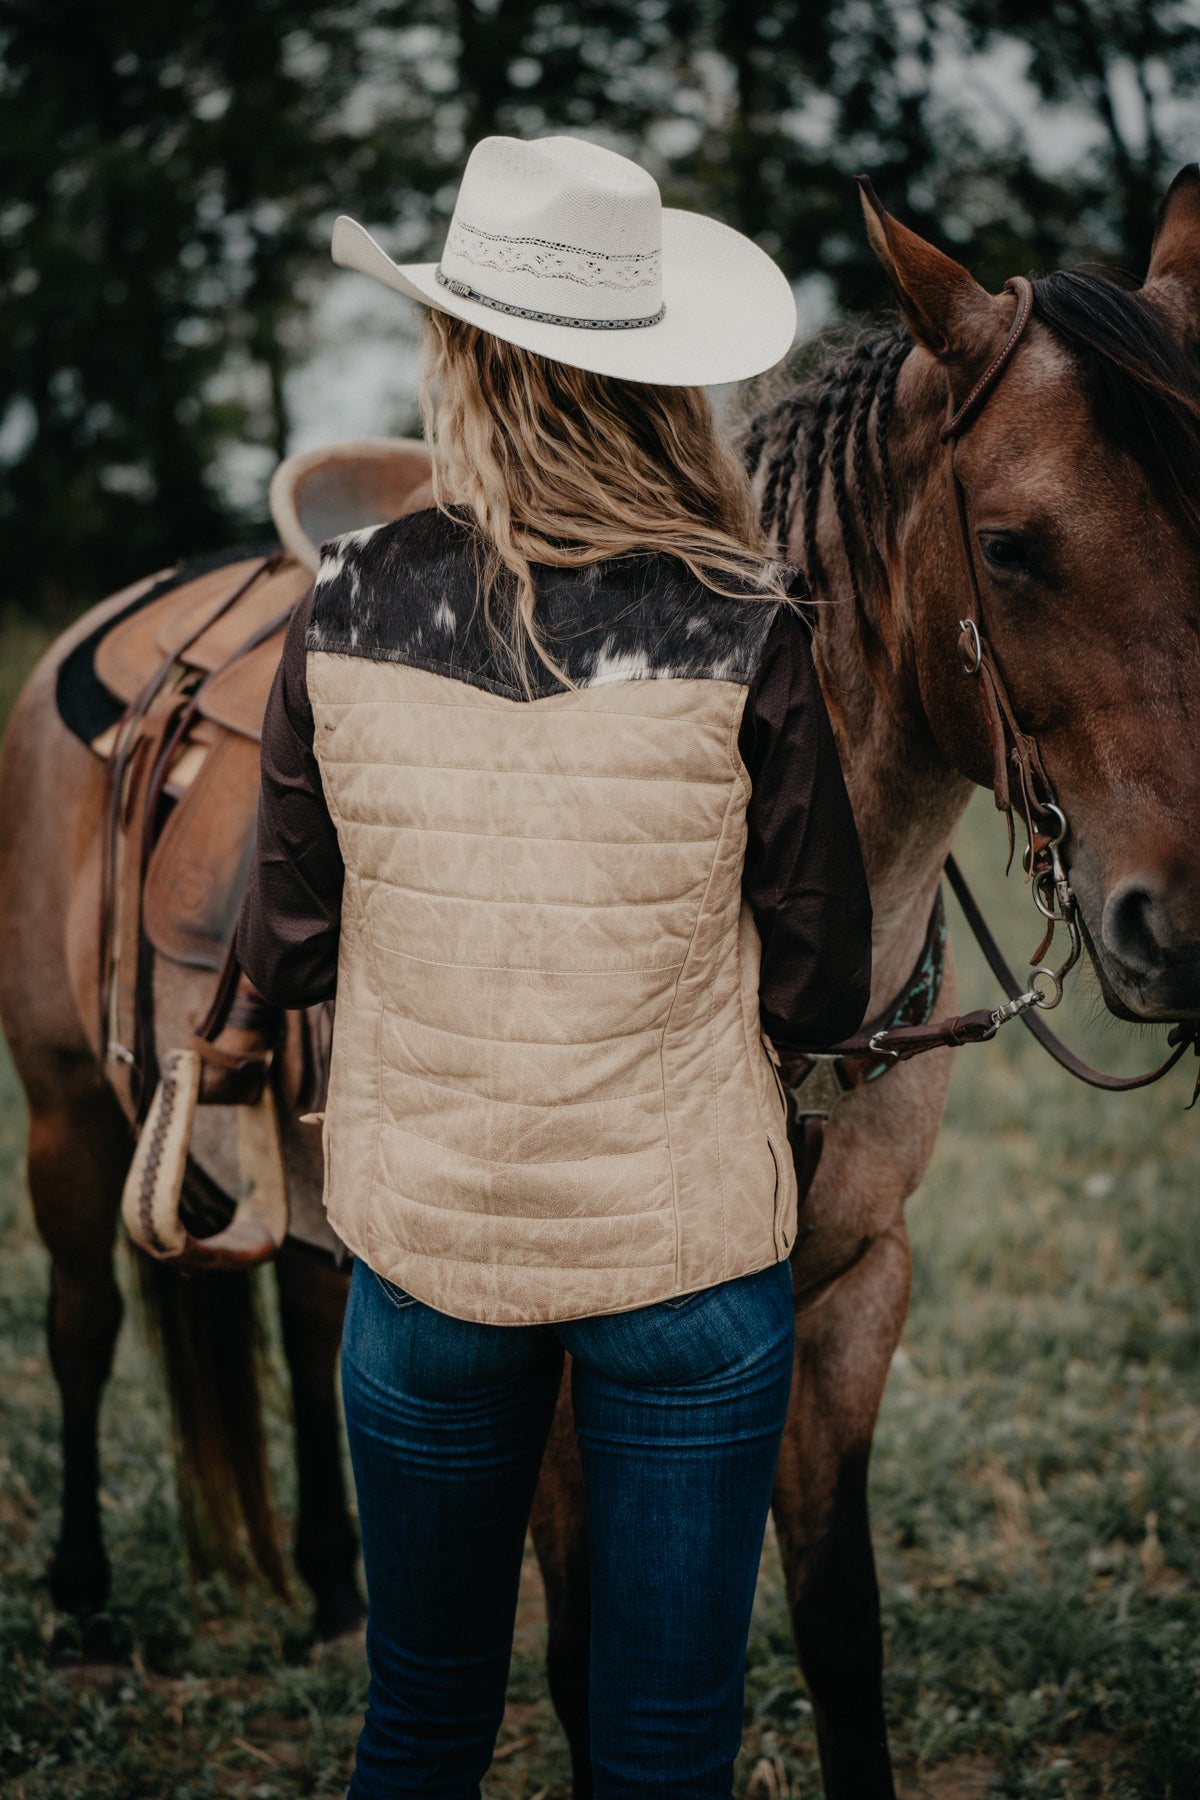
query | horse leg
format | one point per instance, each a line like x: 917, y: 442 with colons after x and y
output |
x: 79, y: 1149
x: 843, y: 1350
x: 312, y: 1300
x: 559, y: 1529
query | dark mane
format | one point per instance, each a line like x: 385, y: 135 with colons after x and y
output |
x: 1142, y: 381
x: 1143, y: 387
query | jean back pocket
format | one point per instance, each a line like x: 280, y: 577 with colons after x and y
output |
x: 397, y: 1295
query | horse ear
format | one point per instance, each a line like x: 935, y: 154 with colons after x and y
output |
x: 944, y: 307
x: 1173, y: 278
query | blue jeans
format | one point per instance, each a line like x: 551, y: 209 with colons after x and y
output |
x: 679, y: 1409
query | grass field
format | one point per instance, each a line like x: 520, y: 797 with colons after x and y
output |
x: 1036, y: 1490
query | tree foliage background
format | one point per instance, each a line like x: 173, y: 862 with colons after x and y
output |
x: 169, y: 174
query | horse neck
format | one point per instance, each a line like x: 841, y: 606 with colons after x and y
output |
x: 907, y: 799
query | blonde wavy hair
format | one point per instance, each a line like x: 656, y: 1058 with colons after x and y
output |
x: 561, y: 466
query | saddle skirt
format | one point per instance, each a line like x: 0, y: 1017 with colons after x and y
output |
x: 171, y: 693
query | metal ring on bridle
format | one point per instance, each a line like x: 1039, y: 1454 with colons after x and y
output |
x: 1047, y: 1002
x: 965, y: 626
x: 1048, y: 806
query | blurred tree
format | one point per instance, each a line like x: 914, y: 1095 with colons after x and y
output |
x: 1028, y: 132
x: 170, y: 175
x: 162, y: 170
x: 1124, y: 66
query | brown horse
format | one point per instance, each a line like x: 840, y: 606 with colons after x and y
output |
x: 1082, y: 484
x: 1080, y: 479
x: 52, y: 813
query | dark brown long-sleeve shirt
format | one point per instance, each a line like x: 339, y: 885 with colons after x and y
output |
x: 803, y: 875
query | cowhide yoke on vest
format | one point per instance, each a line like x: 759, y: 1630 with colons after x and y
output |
x: 184, y: 675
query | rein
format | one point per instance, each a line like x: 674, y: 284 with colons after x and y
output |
x: 1180, y: 1035
x: 823, y: 1079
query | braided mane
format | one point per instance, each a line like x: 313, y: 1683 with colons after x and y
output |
x: 833, y: 429
x: 831, y: 433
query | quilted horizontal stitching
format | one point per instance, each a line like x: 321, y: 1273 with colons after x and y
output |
x: 438, y: 1210
x: 594, y: 709
x: 560, y: 1271
x: 434, y: 962
x: 400, y: 887
x: 446, y: 1087
x: 556, y: 774
x: 523, y: 837
x: 493, y: 1162
x: 472, y: 1037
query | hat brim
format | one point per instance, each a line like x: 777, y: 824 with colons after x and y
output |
x: 730, y: 312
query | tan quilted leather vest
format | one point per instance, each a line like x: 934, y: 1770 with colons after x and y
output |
x: 549, y: 1095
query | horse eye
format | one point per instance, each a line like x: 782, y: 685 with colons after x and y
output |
x: 1004, y: 552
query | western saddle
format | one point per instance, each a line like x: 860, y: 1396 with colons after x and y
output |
x: 190, y: 661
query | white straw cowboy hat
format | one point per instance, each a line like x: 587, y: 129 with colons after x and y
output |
x: 565, y: 248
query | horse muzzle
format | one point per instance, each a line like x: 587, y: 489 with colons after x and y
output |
x: 1147, y: 950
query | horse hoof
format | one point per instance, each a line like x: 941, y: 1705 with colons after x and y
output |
x: 89, y: 1639
x: 341, y: 1610
x: 80, y: 1580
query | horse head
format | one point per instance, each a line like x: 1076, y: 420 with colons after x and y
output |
x: 1080, y: 483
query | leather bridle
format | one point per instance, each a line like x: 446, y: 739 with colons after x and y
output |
x: 1016, y: 760
x: 1019, y: 782
x: 1011, y: 748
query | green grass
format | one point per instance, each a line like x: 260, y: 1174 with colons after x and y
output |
x: 1035, y: 1490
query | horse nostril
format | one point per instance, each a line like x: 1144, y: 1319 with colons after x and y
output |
x: 1131, y: 927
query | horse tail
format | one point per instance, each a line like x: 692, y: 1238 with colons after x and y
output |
x: 207, y: 1329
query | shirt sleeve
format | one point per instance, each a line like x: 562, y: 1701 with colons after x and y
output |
x: 803, y: 876
x: 290, y: 917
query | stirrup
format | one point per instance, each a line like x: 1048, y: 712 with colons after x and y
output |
x: 153, y: 1189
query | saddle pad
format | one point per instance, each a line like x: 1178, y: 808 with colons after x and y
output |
x: 199, y: 865
x: 85, y: 705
